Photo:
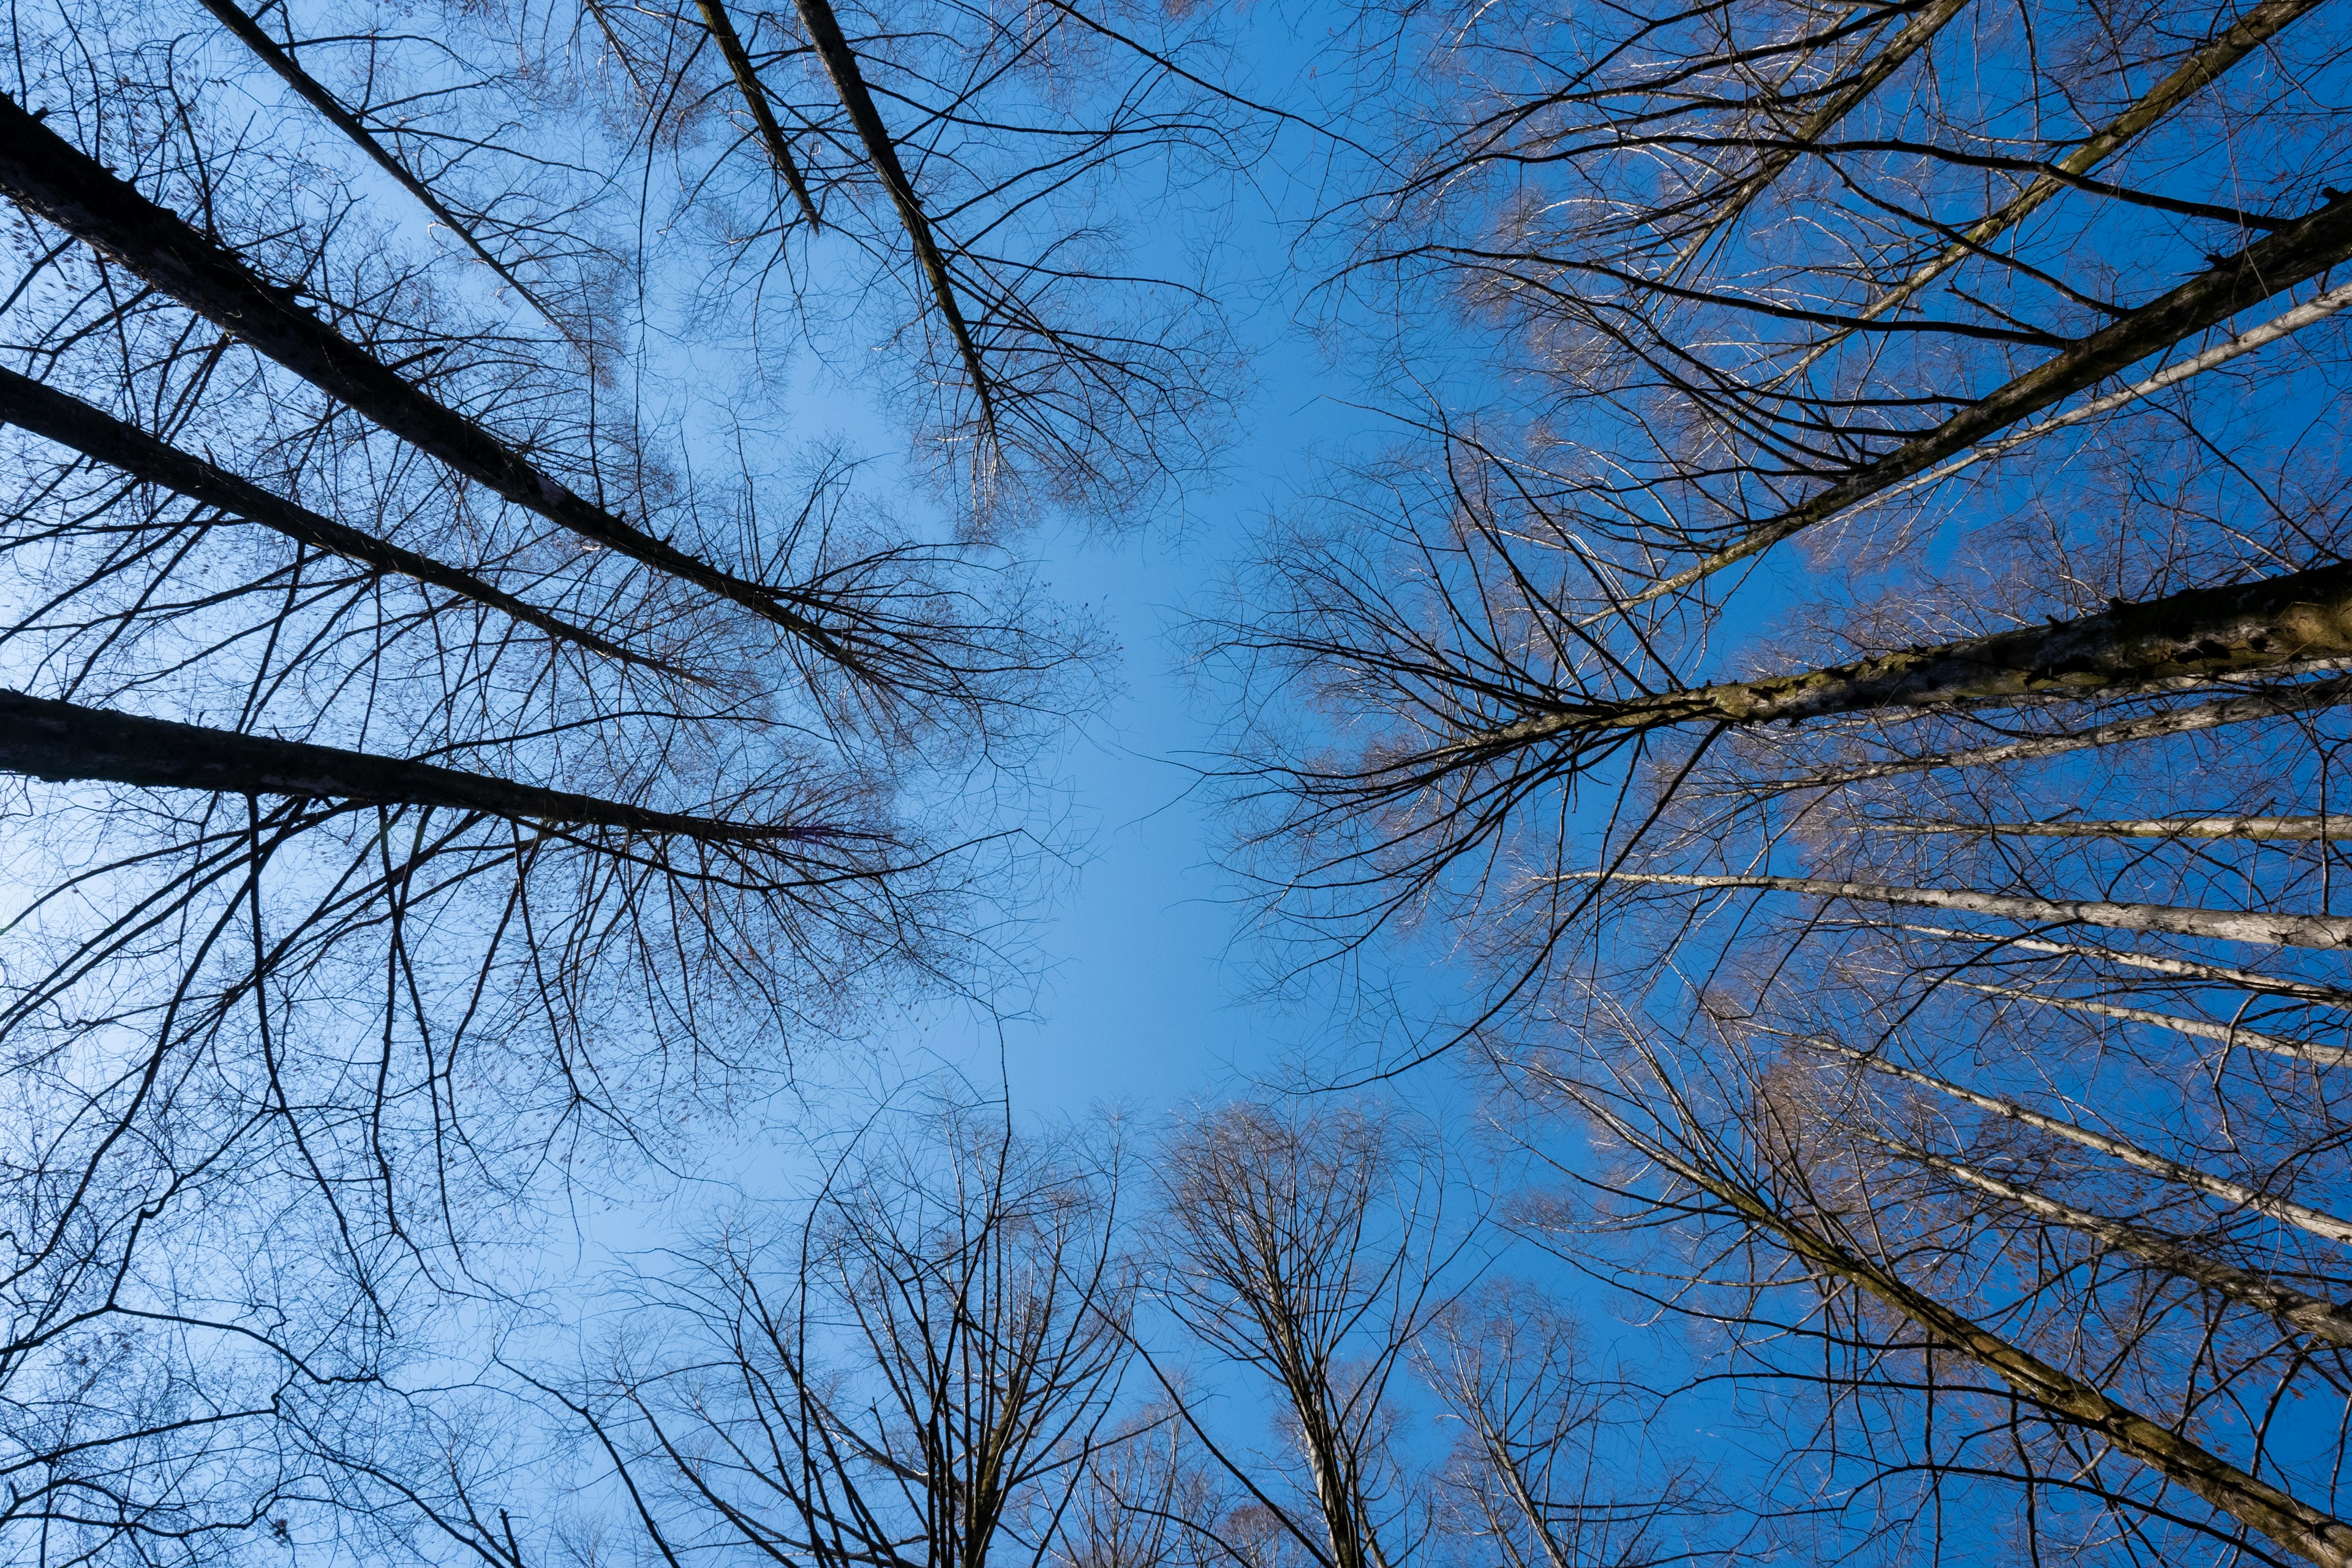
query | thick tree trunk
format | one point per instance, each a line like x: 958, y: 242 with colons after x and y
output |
x: 49, y: 175
x: 2198, y: 1028
x: 2278, y: 261
x: 2317, y: 1223
x: 2313, y: 1315
x: 2202, y: 634
x: 2331, y: 932
x: 2243, y: 709
x: 755, y: 98
x: 824, y: 34
x: 78, y: 426
x: 2253, y: 1503
x: 66, y: 743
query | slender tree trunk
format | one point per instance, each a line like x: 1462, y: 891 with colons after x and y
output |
x: 2180, y: 968
x: 1915, y: 35
x: 841, y: 64
x: 314, y: 92
x: 92, y: 432
x: 2330, y: 931
x: 2278, y: 261
x: 2293, y: 1523
x: 2243, y: 709
x: 2316, y: 1222
x: 2289, y: 829
x: 755, y: 98
x: 2312, y: 1315
x: 66, y: 743
x: 2198, y: 1028
x: 2241, y: 38
x: 48, y: 175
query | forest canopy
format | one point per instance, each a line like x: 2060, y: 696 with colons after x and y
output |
x: 1745, y: 602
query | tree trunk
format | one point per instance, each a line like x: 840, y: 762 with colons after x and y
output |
x: 92, y: 432
x: 755, y: 98
x: 2199, y: 1028
x: 313, y: 92
x: 2312, y: 1315
x: 2180, y: 968
x: 2331, y: 932
x: 2229, y: 710
x: 2317, y: 1223
x: 825, y: 33
x: 66, y: 743
x: 2289, y: 829
x: 2293, y: 1523
x: 2203, y: 634
x: 2278, y: 261
x: 2240, y: 38
x: 49, y: 175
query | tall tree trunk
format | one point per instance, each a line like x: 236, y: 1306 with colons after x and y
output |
x: 2202, y: 634
x: 66, y: 743
x: 314, y: 94
x: 755, y: 98
x: 2240, y: 710
x: 2253, y: 1503
x: 2321, y: 1318
x: 51, y: 176
x: 2330, y: 931
x: 2198, y: 1028
x: 2316, y: 1222
x: 77, y: 426
x: 2302, y: 250
x: 2180, y: 968
x: 2247, y: 33
x: 2287, y: 829
x: 824, y: 34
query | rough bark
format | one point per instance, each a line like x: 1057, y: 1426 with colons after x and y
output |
x: 755, y: 98
x: 2302, y: 1217
x: 2312, y: 1315
x: 2328, y: 931
x: 73, y: 424
x: 833, y: 49
x: 314, y: 94
x: 2201, y: 634
x: 66, y: 743
x: 2287, y: 1519
x: 2280, y: 260
x: 43, y: 172
x: 2197, y: 1029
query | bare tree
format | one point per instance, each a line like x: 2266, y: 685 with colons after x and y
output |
x: 924, y: 1373
x: 1309, y: 1246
